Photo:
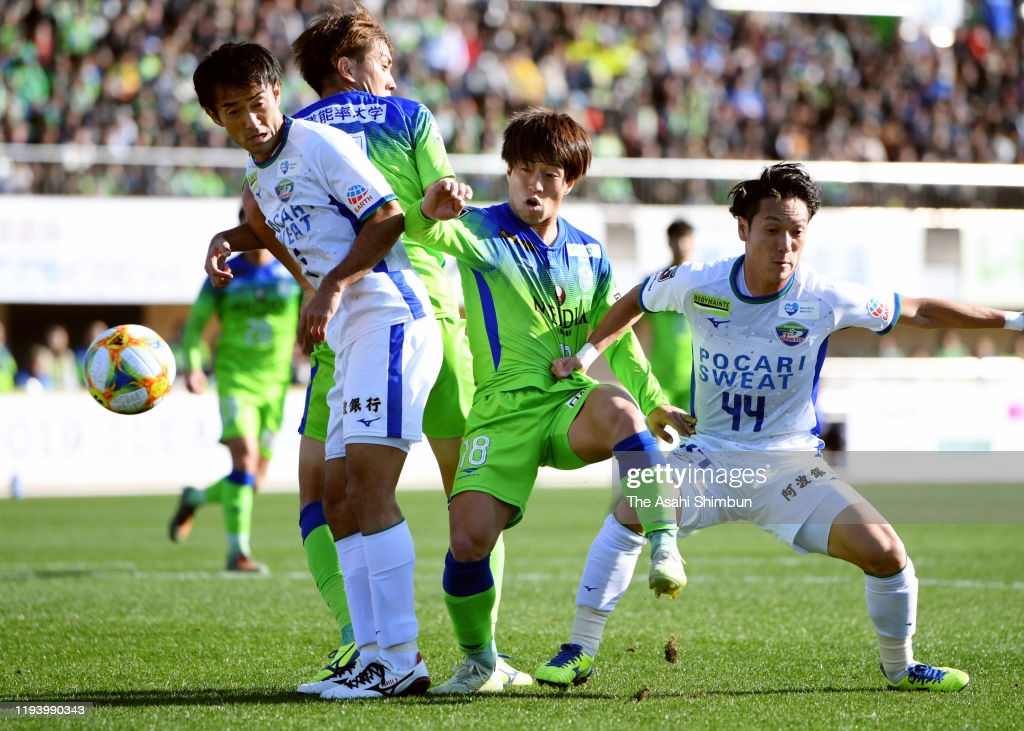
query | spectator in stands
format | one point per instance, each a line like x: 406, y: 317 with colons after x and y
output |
x: 682, y: 79
x: 35, y: 377
x: 63, y: 367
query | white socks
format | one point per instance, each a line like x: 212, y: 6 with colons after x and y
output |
x: 892, y: 607
x: 391, y: 562
x: 352, y: 558
x: 609, y: 569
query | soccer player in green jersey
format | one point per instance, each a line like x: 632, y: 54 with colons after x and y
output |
x: 532, y: 284
x: 252, y: 364
x: 668, y: 339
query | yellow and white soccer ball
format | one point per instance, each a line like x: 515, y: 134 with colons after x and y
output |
x: 129, y: 369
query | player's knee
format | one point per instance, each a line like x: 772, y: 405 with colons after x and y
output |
x: 470, y: 545
x: 886, y: 556
x: 618, y: 414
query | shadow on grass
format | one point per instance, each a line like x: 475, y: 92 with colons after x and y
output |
x: 221, y: 697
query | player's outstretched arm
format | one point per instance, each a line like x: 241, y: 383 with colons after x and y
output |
x: 379, y: 233
x: 616, y: 321
x: 926, y: 312
x: 444, y: 199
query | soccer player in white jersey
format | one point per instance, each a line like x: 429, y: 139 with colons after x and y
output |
x: 760, y: 326
x: 341, y: 221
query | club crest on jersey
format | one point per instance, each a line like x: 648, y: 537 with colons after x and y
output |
x: 712, y: 304
x: 791, y: 333
x: 877, y: 308
x: 284, y: 190
x: 806, y: 310
x: 358, y: 197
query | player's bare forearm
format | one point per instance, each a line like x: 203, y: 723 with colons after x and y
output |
x: 380, y: 232
x: 616, y: 321
x: 619, y: 318
x: 926, y: 312
x: 378, y: 235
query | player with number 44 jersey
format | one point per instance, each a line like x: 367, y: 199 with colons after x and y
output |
x: 760, y: 325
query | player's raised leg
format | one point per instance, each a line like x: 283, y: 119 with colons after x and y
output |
x: 610, y: 421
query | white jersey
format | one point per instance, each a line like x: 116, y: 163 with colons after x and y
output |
x: 316, y: 192
x: 756, y: 360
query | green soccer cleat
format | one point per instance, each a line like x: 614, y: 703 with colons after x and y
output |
x: 929, y: 677
x: 469, y: 678
x: 340, y: 664
x: 667, y: 573
x: 571, y: 666
x: 505, y: 676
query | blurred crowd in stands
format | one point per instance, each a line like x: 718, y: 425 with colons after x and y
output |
x: 679, y: 80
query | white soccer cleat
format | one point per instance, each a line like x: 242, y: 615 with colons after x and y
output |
x: 469, y: 678
x: 505, y: 676
x: 667, y: 573
x: 380, y: 680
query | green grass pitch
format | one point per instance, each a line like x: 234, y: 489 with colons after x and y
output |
x: 97, y: 605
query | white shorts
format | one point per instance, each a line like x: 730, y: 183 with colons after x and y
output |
x: 381, y: 382
x: 780, y: 492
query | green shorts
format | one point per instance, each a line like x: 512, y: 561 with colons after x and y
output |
x: 444, y: 416
x: 510, y: 434
x: 316, y: 413
x: 247, y: 414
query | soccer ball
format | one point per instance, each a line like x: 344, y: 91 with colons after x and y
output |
x: 129, y: 369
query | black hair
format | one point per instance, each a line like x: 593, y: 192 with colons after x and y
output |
x: 232, y: 66
x: 782, y: 181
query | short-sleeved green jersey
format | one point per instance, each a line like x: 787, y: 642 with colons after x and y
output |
x: 258, y: 314
x: 401, y: 137
x: 528, y: 303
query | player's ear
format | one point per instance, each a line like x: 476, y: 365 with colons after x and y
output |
x: 742, y: 228
x: 344, y: 68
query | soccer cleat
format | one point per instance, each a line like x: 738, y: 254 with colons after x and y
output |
x: 667, y: 573
x: 184, y: 516
x: 244, y: 564
x: 380, y: 680
x: 571, y: 666
x: 505, y: 676
x: 928, y: 677
x: 341, y: 665
x: 470, y: 677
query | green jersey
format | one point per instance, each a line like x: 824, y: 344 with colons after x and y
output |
x: 671, y: 354
x: 528, y: 303
x: 258, y: 315
x: 401, y: 137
